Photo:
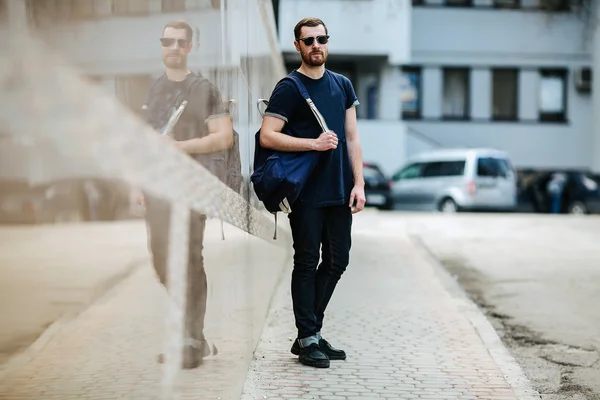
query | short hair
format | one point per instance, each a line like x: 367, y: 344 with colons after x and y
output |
x: 310, y: 22
x: 189, y: 32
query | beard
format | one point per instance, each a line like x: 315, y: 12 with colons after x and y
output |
x: 314, y: 59
x: 174, y: 61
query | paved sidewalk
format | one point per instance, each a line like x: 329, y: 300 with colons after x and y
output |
x: 110, y: 351
x: 407, y: 331
x: 47, y: 274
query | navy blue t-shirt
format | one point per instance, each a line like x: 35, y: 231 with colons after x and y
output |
x: 332, y: 180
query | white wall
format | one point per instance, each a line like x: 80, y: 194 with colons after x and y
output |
x: 467, y: 36
x: 374, y: 27
x: 383, y: 143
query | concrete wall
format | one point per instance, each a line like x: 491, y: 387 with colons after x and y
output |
x: 383, y: 143
x: 487, y: 36
x: 375, y: 27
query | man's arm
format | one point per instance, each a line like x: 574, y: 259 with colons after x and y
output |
x: 220, y: 137
x: 272, y: 138
x: 206, y: 101
x: 355, y: 153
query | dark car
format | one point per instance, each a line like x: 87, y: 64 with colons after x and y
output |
x: 377, y: 187
x: 581, y: 193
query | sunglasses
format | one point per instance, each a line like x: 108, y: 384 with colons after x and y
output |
x: 168, y: 42
x: 308, y: 41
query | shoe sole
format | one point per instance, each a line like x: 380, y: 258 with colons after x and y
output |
x: 334, y: 358
x: 316, y: 364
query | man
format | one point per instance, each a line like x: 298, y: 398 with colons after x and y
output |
x: 203, y: 129
x: 322, y: 215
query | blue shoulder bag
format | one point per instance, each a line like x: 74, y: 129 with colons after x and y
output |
x: 280, y: 176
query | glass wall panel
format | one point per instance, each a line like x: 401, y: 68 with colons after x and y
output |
x: 134, y: 264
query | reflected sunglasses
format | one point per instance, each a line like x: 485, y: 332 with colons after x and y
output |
x: 167, y: 42
x: 308, y: 41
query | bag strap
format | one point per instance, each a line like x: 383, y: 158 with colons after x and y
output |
x: 304, y: 93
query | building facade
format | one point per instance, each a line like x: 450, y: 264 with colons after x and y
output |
x: 115, y: 43
x: 508, y: 74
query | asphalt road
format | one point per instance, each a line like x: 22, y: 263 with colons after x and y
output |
x: 537, y: 277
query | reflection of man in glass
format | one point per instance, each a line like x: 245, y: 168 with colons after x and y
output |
x: 203, y: 131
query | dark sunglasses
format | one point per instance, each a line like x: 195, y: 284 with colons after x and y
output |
x: 168, y: 42
x: 308, y: 41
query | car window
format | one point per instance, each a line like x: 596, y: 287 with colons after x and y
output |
x: 589, y: 182
x: 372, y: 172
x: 444, y: 169
x: 492, y: 167
x: 409, y: 172
x: 431, y: 169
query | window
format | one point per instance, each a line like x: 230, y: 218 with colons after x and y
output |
x: 173, y: 5
x: 410, y: 90
x: 372, y: 172
x: 507, y: 3
x: 372, y: 103
x: 132, y: 90
x: 131, y: 7
x: 444, y: 169
x: 410, y: 172
x: 459, y: 3
x: 553, y: 95
x: 3, y: 10
x: 456, y: 93
x: 504, y: 94
x: 51, y: 11
x: 491, y: 167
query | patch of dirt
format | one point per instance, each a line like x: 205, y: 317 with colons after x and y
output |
x: 549, y: 365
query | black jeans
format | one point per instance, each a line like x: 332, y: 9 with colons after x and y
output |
x: 312, y: 287
x: 158, y: 215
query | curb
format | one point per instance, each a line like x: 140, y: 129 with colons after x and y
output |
x: 510, y: 368
x: 104, y: 290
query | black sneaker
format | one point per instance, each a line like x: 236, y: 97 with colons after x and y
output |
x: 313, y: 357
x: 193, y: 355
x: 331, y: 352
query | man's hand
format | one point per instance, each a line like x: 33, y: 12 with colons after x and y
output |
x: 357, y: 198
x: 327, y: 141
x: 171, y: 139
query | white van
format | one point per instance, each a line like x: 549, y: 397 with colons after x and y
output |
x: 451, y: 180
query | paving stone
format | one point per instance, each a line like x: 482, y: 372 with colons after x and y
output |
x: 405, y: 335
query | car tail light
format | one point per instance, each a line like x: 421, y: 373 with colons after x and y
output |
x: 471, y: 188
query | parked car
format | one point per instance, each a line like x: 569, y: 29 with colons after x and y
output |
x: 453, y: 180
x: 581, y: 192
x: 68, y: 200
x: 377, y: 187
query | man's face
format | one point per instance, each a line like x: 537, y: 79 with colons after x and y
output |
x: 175, y: 48
x: 313, y: 54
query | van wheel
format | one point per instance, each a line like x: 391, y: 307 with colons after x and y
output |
x: 577, y: 208
x: 448, y: 206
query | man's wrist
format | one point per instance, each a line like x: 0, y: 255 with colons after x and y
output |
x: 359, y: 183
